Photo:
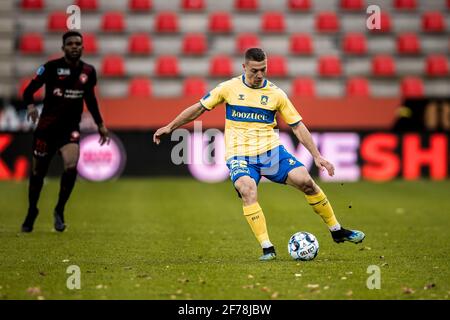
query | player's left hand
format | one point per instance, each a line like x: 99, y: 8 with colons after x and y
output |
x: 104, y: 135
x: 324, y: 164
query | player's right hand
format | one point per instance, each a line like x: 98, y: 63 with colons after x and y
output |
x: 32, y: 113
x: 160, y: 132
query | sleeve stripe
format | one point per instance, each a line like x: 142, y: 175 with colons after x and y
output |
x: 295, y: 124
x: 204, y: 106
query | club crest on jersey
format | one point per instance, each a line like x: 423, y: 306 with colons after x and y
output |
x: 83, y: 78
x: 241, y: 97
x: 291, y: 162
x: 63, y: 72
x: 264, y: 100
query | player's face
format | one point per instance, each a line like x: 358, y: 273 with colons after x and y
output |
x: 73, y: 48
x: 255, y: 72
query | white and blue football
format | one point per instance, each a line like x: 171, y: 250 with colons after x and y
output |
x: 303, y: 246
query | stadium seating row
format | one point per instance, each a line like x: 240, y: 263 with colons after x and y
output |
x: 113, y: 65
x: 222, y: 22
x: 197, y: 44
x: 302, y: 86
x: 248, y: 5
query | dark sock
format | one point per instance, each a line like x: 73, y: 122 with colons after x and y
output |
x: 67, y: 182
x: 34, y: 191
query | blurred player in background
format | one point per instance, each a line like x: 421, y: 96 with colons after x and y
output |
x: 253, y: 148
x: 68, y: 82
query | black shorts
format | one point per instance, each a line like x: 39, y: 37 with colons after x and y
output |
x: 47, y: 143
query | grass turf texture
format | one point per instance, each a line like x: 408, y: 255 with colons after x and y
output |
x: 182, y: 239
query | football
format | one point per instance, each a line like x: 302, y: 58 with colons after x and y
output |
x: 303, y: 246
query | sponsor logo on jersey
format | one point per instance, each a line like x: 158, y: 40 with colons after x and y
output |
x: 249, y: 115
x: 241, y: 97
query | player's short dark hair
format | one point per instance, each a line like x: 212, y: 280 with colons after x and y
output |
x: 255, y: 54
x: 69, y: 34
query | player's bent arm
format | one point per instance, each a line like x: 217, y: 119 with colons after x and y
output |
x: 187, y: 115
x: 304, y: 136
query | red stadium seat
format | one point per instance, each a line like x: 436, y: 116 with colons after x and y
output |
x: 140, y: 5
x: 412, y: 87
x: 90, y: 43
x: 113, y: 22
x: 355, y: 43
x: 24, y: 83
x: 433, y: 22
x: 167, y: 66
x: 31, y: 43
x: 193, y: 4
x: 352, y: 4
x: 273, y: 22
x: 220, y: 22
x: 245, y: 41
x: 221, y: 66
x: 358, y: 87
x: 437, y: 65
x: 113, y: 66
x: 303, y: 87
x: 405, y: 4
x: 87, y: 4
x: 140, y: 43
x: 302, y: 5
x: 383, y: 66
x: 57, y: 21
x: 408, y: 43
x: 301, y: 44
x: 194, y: 44
x: 194, y: 87
x: 246, y: 4
x: 276, y: 66
x: 448, y: 4
x: 330, y: 66
x: 32, y: 4
x: 166, y: 22
x: 140, y: 87
x: 327, y: 22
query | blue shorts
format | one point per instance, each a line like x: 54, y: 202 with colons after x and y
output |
x: 274, y: 164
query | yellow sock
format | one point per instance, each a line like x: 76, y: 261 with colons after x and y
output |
x: 322, y: 207
x: 255, y: 218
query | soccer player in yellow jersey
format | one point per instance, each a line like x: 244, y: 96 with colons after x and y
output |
x: 253, y: 148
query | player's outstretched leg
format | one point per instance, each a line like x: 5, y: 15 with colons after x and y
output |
x: 67, y: 183
x: 70, y: 154
x: 300, y: 178
x: 38, y: 172
x: 247, y: 188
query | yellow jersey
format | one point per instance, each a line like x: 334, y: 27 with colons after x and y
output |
x: 250, y: 115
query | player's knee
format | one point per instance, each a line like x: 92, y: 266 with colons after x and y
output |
x: 71, y: 169
x: 248, y: 192
x: 308, y: 186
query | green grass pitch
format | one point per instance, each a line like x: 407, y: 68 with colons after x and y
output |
x: 182, y: 239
